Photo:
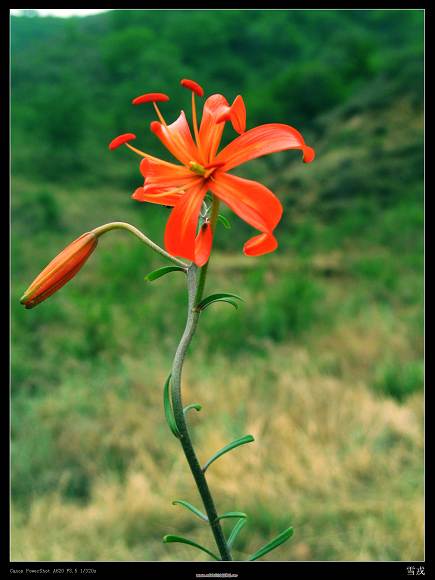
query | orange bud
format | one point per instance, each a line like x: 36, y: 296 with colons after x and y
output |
x: 64, y: 267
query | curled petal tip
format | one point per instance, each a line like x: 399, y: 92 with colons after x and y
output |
x: 238, y: 115
x: 120, y: 140
x: 193, y: 86
x: 309, y: 154
x: 261, y: 244
x: 150, y: 98
x: 203, y: 244
x: 224, y: 117
x: 138, y: 194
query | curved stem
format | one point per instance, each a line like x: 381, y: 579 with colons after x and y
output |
x: 195, y: 287
x: 125, y: 226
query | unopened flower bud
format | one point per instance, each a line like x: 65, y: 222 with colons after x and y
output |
x: 64, y: 267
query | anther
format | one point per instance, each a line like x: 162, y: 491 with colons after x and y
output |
x: 150, y: 98
x: 197, y: 168
x: 121, y: 139
x: 193, y: 86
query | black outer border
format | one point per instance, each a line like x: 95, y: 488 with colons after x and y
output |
x: 176, y: 570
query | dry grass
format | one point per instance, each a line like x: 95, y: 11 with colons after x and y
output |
x: 340, y: 464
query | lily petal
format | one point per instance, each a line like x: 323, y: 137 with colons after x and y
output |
x: 203, y: 244
x: 210, y: 130
x: 250, y: 200
x: 180, y: 232
x: 260, y: 141
x: 177, y: 138
x: 157, y: 195
x: 163, y: 174
x: 259, y: 245
x: 238, y: 114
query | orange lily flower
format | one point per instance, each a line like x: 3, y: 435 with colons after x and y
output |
x: 188, y: 233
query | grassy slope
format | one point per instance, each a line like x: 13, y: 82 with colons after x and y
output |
x: 322, y: 365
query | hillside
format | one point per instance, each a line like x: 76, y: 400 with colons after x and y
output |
x: 323, y: 363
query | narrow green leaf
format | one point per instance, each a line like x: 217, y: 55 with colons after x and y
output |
x: 229, y: 300
x: 283, y: 537
x: 224, y: 221
x: 229, y: 447
x: 219, y: 296
x: 168, y: 409
x: 232, y: 515
x: 192, y: 508
x: 195, y: 406
x: 170, y: 539
x: 162, y: 271
x: 239, y: 525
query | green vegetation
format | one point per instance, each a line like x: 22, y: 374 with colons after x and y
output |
x: 322, y: 362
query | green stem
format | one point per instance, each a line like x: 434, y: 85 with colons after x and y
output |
x: 125, y: 226
x: 195, y: 287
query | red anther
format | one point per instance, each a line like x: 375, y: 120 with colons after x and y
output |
x: 309, y: 154
x: 121, y: 139
x: 150, y: 98
x: 155, y: 127
x: 193, y: 86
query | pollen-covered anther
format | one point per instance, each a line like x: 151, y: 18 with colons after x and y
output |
x: 193, y: 86
x: 308, y: 154
x: 121, y: 140
x: 197, y: 168
x: 150, y: 98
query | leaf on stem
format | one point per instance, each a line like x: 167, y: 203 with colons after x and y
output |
x: 168, y: 409
x: 283, y: 537
x: 195, y: 406
x: 232, y: 515
x: 219, y: 297
x: 192, y: 508
x: 224, y: 221
x: 170, y: 539
x: 162, y: 272
x: 229, y: 447
x: 235, y: 531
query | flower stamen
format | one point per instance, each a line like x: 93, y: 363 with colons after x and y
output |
x: 195, y: 121
x: 138, y: 151
x: 159, y: 115
x: 196, y: 90
x: 153, y: 98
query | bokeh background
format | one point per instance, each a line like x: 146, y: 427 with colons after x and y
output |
x: 323, y: 363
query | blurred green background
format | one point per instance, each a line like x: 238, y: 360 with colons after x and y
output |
x: 323, y: 363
